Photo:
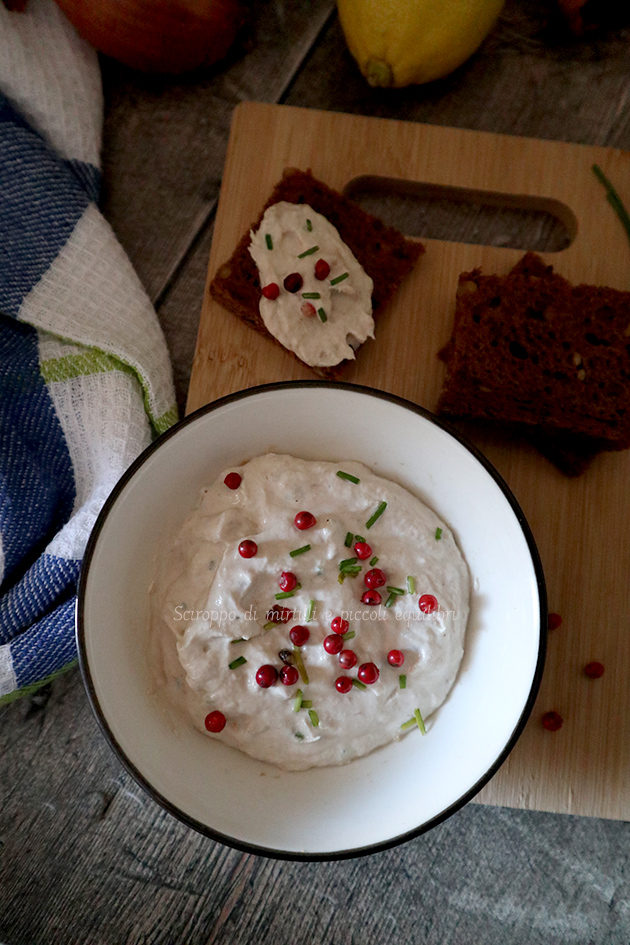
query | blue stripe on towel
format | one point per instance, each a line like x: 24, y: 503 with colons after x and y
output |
x: 37, y: 489
x: 42, y: 197
x: 49, y: 581
x: 46, y: 647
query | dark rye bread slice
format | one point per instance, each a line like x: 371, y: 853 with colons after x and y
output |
x: 385, y: 254
x: 534, y: 352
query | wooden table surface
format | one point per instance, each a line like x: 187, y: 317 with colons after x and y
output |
x: 85, y: 856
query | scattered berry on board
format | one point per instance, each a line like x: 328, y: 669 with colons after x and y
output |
x: 594, y: 670
x: 552, y: 721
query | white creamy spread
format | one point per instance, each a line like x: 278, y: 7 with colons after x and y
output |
x: 212, y: 607
x: 341, y: 316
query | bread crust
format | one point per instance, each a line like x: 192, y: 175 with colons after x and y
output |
x: 533, y: 352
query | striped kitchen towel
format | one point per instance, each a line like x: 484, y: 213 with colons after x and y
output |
x: 85, y: 378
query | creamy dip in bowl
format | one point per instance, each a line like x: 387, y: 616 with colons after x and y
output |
x: 395, y: 791
x: 365, y: 578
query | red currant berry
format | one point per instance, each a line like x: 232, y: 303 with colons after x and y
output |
x: 247, y: 548
x: 347, y: 659
x: 287, y: 581
x: 553, y: 621
x: 304, y: 520
x: 362, y: 550
x: 333, y: 643
x: 232, y: 480
x: 215, y: 722
x: 308, y: 309
x: 374, y: 578
x: 299, y: 635
x: 293, y: 282
x: 322, y: 269
x: 271, y: 291
x: 594, y: 670
x: 395, y: 658
x: 289, y: 675
x: 339, y: 625
x: 368, y: 673
x: 427, y: 603
x: 278, y: 614
x: 266, y: 676
x: 343, y: 684
x: 372, y: 598
x: 552, y: 721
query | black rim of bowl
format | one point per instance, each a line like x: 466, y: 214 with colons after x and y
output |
x: 134, y: 771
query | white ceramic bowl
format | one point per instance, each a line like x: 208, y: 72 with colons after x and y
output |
x: 397, y: 791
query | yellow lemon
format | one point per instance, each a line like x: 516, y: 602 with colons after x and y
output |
x: 408, y: 42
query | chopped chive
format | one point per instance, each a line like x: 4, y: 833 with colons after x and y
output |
x: 409, y: 724
x: 419, y: 720
x: 345, y: 475
x: 348, y: 540
x: 390, y: 600
x: 352, y: 571
x: 359, y: 684
x: 411, y: 584
x: 308, y: 252
x: 373, y: 561
x: 310, y: 611
x: 268, y: 241
x: 359, y: 538
x: 323, y: 317
x: 309, y: 226
x: 269, y: 625
x: 342, y: 576
x: 340, y: 278
x: 299, y: 735
x: 299, y: 662
x: 350, y: 635
x: 395, y: 590
x: 402, y: 681
x: 283, y: 594
x: 438, y: 534
x: 240, y: 640
x: 306, y: 704
x: 311, y: 295
x: 613, y: 199
x: 376, y: 515
x: 300, y: 551
x: 313, y: 716
x: 237, y: 662
x: 297, y: 702
x: 347, y: 563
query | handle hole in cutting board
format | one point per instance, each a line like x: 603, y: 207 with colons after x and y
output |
x: 458, y: 214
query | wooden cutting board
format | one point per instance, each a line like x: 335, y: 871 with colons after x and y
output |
x: 581, y: 526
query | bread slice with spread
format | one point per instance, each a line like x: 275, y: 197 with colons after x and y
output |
x: 314, y: 272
